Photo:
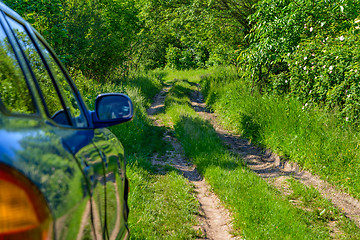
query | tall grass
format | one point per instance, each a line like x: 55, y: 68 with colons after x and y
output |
x: 161, y: 206
x: 314, y: 138
x: 192, y: 75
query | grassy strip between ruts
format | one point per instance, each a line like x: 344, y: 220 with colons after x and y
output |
x: 162, y: 206
x: 259, y: 210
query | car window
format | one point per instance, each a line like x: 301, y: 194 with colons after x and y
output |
x: 14, y: 90
x: 50, y: 91
x: 37, y: 66
x: 66, y: 90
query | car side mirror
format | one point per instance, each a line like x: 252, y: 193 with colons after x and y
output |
x: 112, y: 109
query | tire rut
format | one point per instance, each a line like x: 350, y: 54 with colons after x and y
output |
x: 275, y: 169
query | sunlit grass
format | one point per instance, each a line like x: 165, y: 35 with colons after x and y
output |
x: 157, y: 201
x: 162, y: 206
x: 193, y: 75
x: 259, y: 210
x: 320, y: 211
x: 312, y: 137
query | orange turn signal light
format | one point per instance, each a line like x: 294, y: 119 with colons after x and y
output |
x: 24, y: 213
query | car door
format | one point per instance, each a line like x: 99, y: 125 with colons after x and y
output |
x: 112, y: 156
x: 67, y: 121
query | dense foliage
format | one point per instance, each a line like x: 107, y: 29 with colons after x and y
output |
x: 95, y: 37
x: 192, y: 33
x: 102, y: 37
x: 308, y: 50
x: 300, y: 48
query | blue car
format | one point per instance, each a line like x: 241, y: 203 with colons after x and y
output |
x: 62, y: 172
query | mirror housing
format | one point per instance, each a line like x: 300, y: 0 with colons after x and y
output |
x: 112, y: 109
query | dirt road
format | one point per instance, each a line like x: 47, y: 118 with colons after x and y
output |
x: 214, y: 219
x: 276, y: 170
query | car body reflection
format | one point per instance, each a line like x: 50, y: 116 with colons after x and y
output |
x: 67, y: 168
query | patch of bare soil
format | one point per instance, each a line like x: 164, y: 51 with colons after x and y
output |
x: 275, y: 169
x: 158, y: 102
x: 215, y: 220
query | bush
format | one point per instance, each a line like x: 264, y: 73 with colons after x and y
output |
x: 308, y: 50
x: 324, y: 71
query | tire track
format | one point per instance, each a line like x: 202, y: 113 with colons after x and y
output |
x: 275, y: 169
x: 215, y: 220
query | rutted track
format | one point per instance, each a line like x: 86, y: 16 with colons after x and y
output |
x: 215, y: 220
x: 275, y: 169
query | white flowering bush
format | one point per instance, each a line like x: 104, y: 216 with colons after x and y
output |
x: 308, y: 50
x: 325, y: 70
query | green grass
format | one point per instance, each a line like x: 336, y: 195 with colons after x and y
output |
x: 193, y: 75
x: 179, y: 95
x: 259, y: 210
x: 162, y: 206
x: 320, y: 211
x: 314, y: 138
